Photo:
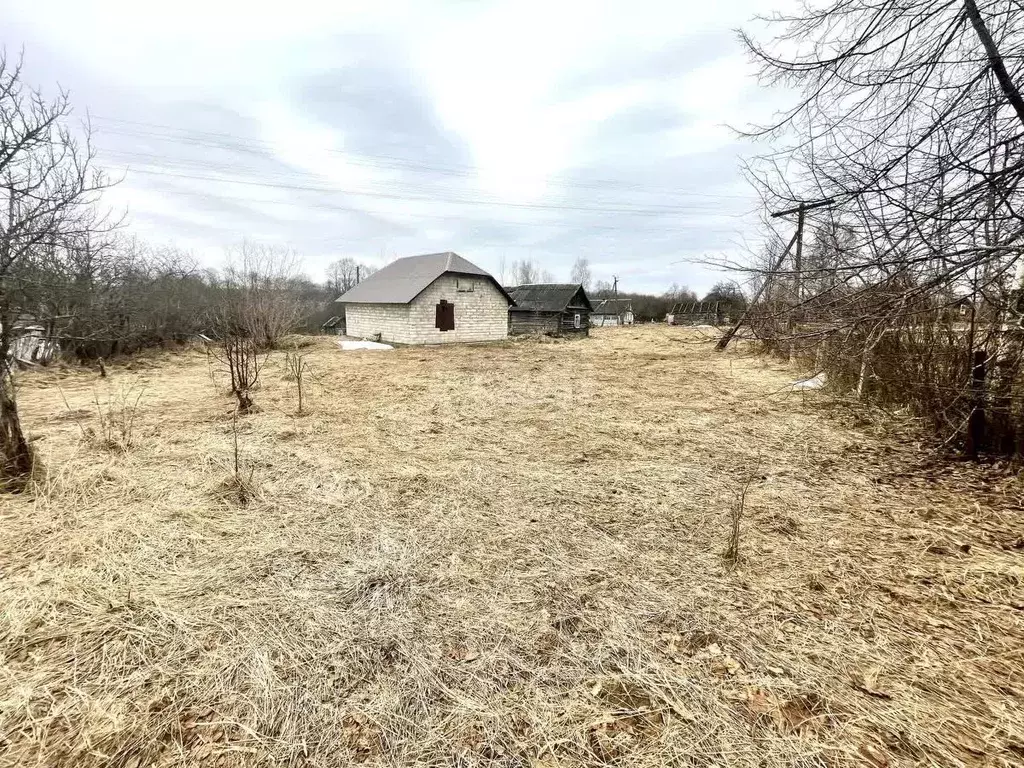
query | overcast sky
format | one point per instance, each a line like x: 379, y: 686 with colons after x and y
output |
x: 543, y: 130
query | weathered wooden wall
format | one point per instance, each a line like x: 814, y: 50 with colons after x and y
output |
x: 567, y: 319
x: 523, y: 321
x: 555, y: 323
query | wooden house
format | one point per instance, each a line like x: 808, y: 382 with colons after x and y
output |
x: 557, y: 309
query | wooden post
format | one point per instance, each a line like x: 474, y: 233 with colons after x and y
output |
x: 798, y: 265
x: 798, y: 255
x: 976, y: 421
x: 801, y: 209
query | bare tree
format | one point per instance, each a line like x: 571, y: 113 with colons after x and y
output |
x: 502, y: 269
x: 908, y: 138
x: 260, y: 303
x: 243, y: 361
x: 678, y: 294
x: 343, y: 274
x: 47, y: 194
x: 524, y: 271
x: 581, y: 273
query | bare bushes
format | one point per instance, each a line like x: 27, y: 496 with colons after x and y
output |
x: 259, y: 287
x: 903, y: 178
x: 243, y: 361
x: 731, y: 555
x: 115, y: 418
x: 953, y: 362
x: 298, y: 371
x: 239, y: 486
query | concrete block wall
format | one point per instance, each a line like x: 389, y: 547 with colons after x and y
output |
x: 481, y: 314
x: 365, y: 321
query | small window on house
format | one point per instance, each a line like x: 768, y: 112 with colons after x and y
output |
x: 576, y: 320
x: 444, y: 316
x: 462, y: 285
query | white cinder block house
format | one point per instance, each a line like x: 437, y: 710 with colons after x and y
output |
x: 437, y: 298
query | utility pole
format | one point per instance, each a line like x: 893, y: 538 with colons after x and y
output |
x: 798, y: 241
x: 357, y: 273
x: 798, y: 266
x: 724, y: 341
x: 798, y: 256
x: 615, y: 295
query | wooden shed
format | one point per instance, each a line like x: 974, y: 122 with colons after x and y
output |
x: 557, y: 309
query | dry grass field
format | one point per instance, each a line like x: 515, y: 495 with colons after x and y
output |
x: 502, y: 555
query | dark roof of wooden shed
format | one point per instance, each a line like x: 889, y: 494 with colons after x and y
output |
x: 547, y: 297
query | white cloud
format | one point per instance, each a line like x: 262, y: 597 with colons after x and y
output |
x: 429, y: 111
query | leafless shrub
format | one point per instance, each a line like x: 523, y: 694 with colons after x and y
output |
x: 240, y: 485
x: 731, y: 555
x: 243, y: 362
x: 297, y: 370
x: 115, y: 418
x: 258, y: 285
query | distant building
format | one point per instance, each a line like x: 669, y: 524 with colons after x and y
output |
x: 334, y: 325
x: 436, y: 298
x: 31, y: 342
x: 557, y: 309
x: 612, y: 312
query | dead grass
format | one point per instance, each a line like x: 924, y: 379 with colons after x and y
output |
x: 504, y: 555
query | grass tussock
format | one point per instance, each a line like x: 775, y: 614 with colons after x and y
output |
x: 505, y: 555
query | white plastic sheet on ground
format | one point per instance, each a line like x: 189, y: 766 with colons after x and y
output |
x: 348, y: 346
x: 815, y: 382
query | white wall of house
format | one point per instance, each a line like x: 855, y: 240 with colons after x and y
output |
x: 599, y: 320
x: 365, y: 321
x: 481, y: 314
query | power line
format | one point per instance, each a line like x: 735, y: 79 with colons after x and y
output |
x: 519, y: 206
x: 180, y: 165
x: 234, y: 142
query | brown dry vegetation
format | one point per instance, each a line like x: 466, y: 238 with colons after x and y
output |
x: 503, y: 555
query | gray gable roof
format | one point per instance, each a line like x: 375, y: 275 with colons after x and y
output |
x: 548, y: 297
x: 404, y: 279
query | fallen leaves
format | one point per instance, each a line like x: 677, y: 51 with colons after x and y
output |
x: 874, y: 756
x: 866, y: 682
x: 726, y: 666
x: 795, y: 714
x: 462, y: 653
